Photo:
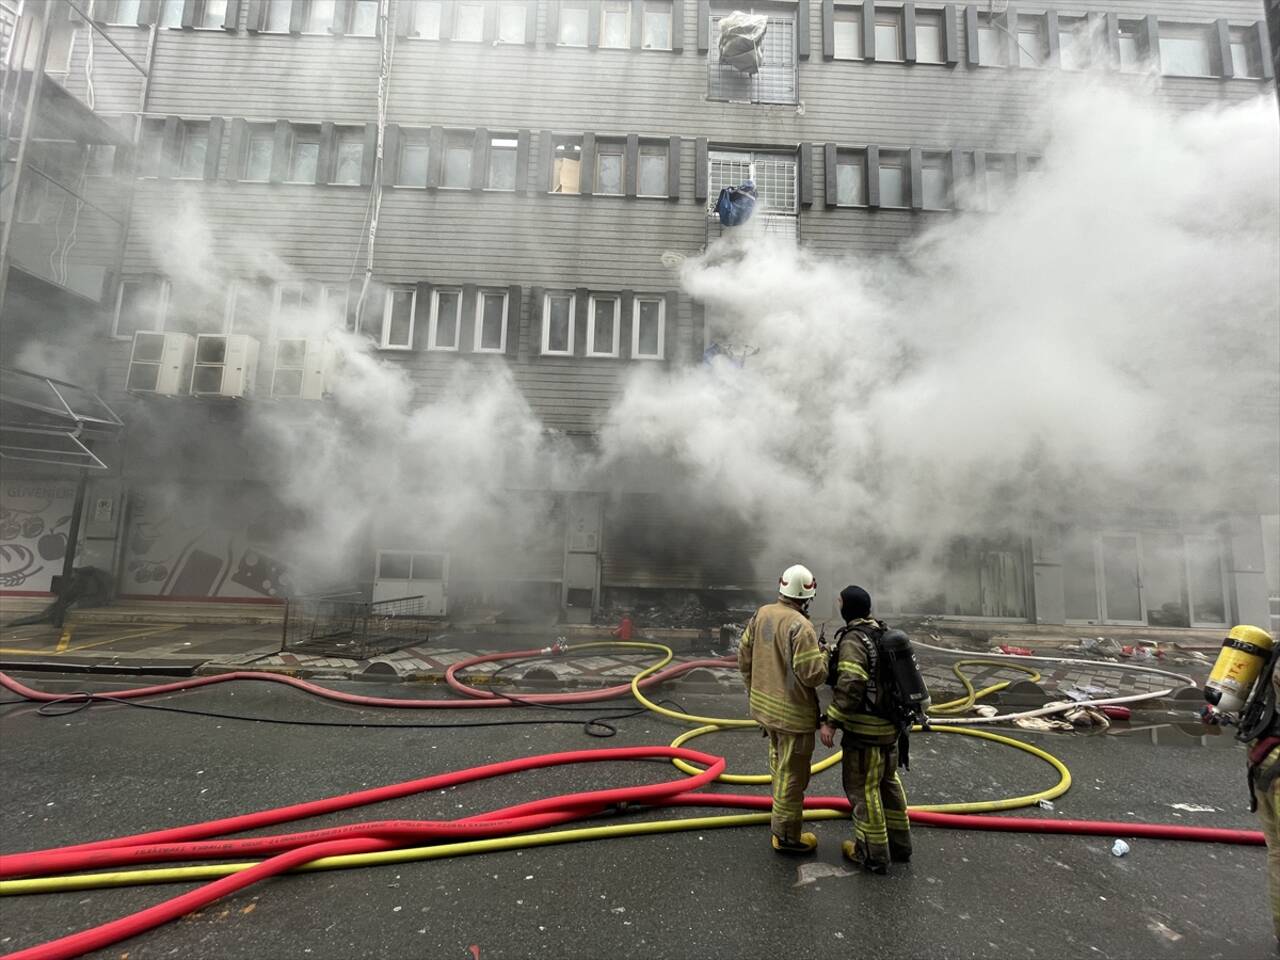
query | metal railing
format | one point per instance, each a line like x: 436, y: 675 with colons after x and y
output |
x: 351, y: 627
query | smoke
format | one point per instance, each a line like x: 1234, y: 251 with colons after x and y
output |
x: 1106, y: 340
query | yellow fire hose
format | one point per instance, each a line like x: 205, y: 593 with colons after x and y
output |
x: 121, y: 878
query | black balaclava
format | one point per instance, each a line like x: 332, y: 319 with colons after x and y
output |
x: 855, y: 604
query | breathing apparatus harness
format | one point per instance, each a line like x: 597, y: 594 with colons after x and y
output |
x: 1244, y: 651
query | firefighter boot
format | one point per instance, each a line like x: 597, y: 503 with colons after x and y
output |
x: 858, y: 858
x: 806, y: 844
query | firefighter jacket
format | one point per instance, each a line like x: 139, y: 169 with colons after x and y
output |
x: 849, y: 709
x: 782, y: 666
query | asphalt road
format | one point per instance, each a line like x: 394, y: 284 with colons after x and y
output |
x: 115, y: 770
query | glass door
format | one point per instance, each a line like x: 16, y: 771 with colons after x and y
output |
x: 1120, y: 570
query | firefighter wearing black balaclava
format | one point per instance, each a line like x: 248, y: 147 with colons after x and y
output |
x: 782, y: 666
x: 869, y: 767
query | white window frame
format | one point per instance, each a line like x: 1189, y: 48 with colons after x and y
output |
x: 900, y: 162
x: 662, y: 328
x: 434, y: 323
x: 277, y: 302
x: 858, y: 160
x: 622, y: 8
x: 610, y: 148
x: 935, y: 18
x: 1035, y: 26
x: 263, y: 132
x: 479, y: 321
x: 886, y: 17
x: 506, y: 144
x: 202, y: 17
x: 294, y: 140
x: 524, y: 21
x: 1187, y: 32
x: 458, y: 138
x: 651, y: 10
x: 333, y: 291
x: 546, y: 322
x: 229, y: 308
x: 942, y: 163
x: 186, y: 128
x: 308, y: 20
x: 165, y: 7
x: 345, y: 136
x: 415, y: 16
x: 1078, y: 30
x: 457, y: 18
x: 114, y: 18
x: 659, y: 149
x: 162, y: 307
x: 987, y: 24
x: 414, y: 137
x: 592, y: 346
x: 388, y: 300
x: 586, y: 26
x: 347, y: 28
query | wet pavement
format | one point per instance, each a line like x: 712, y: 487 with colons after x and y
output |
x: 114, y: 769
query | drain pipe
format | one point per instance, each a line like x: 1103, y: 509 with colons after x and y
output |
x: 384, y: 91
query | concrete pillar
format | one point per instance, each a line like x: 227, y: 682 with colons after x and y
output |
x: 1048, y: 602
x: 1246, y: 571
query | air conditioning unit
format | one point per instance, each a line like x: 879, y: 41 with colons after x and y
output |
x: 304, y: 369
x: 225, y: 366
x: 160, y: 364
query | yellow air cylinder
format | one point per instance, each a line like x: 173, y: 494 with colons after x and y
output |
x: 1244, y: 653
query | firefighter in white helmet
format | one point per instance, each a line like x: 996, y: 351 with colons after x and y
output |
x: 783, y: 666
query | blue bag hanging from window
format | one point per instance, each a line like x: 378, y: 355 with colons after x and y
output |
x: 735, y: 205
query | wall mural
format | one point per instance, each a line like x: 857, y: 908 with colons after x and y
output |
x: 35, y: 515
x: 193, y: 542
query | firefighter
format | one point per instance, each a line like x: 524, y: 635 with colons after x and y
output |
x: 1264, y: 781
x: 869, y: 768
x: 782, y: 666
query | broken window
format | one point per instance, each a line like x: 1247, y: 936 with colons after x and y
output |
x: 935, y: 181
x: 304, y: 154
x: 446, y: 319
x: 851, y: 179
x: 657, y: 25
x: 491, y: 322
x: 468, y: 22
x: 348, y: 155
x: 502, y: 164
x: 609, y: 167
x: 602, y: 327
x: 774, y: 82
x: 648, y: 333
x: 893, y: 180
x: 889, y: 44
x: 573, y: 25
x: 557, y: 327
x: 930, y: 42
x: 567, y: 165
x: 847, y: 34
x: 414, y: 152
x: 192, y: 149
x: 652, y: 176
x: 1033, y: 44
x: 457, y: 160
x: 511, y: 23
x: 259, y: 148
x: 1184, y: 51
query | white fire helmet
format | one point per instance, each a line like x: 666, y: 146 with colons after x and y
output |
x: 797, y: 582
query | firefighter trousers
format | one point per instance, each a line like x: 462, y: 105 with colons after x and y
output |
x: 881, y: 830
x: 790, y: 755
x: 1267, y: 794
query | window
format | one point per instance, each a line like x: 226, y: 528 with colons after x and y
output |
x: 889, y: 35
x: 609, y: 165
x: 1245, y: 60
x: 1033, y: 49
x: 348, y: 155
x: 170, y: 14
x: 152, y: 138
x: 414, y: 152
x: 893, y: 180
x: 258, y: 151
x: 446, y: 320
x: 124, y: 12
x: 318, y: 16
x: 1073, y: 43
x: 511, y: 23
x: 847, y: 34
x: 468, y: 22
x: 277, y: 16
x: 192, y: 149
x: 930, y: 43
x: 424, y: 20
x: 491, y: 322
x: 566, y: 169
x: 615, y: 24
x: 457, y: 161
x: 935, y: 181
x: 364, y: 18
x: 304, y: 154
x: 397, y: 318
x: 573, y: 25
x: 211, y: 14
x: 293, y: 299
x: 776, y: 80
x: 648, y: 328
x: 602, y: 327
x: 1184, y: 51
x: 775, y: 179
x: 652, y: 175
x: 851, y: 180
x: 250, y: 307
x: 335, y: 301
x: 557, y: 327
x: 1000, y: 174
x: 140, y: 305
x: 992, y: 43
x: 502, y: 164
x: 1129, y: 46
x: 657, y: 25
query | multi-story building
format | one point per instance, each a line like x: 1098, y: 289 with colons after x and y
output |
x: 487, y: 186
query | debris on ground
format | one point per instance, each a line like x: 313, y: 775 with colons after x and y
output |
x: 1011, y: 650
x: 1192, y: 807
x: 1043, y: 724
x: 1119, y: 848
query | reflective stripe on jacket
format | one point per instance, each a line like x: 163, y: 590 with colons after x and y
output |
x: 782, y: 666
x: 848, y: 709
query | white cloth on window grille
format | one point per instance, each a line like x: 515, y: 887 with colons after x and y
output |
x: 742, y: 41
